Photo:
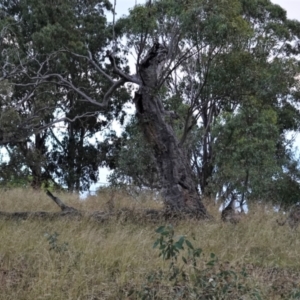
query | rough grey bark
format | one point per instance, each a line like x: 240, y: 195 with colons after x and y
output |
x: 179, y: 189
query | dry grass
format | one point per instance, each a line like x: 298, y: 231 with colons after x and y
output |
x: 102, y: 261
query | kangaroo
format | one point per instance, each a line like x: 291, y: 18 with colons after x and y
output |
x: 293, y: 218
x: 229, y: 213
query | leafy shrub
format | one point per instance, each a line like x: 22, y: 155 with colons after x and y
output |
x: 186, y: 279
x: 54, y: 245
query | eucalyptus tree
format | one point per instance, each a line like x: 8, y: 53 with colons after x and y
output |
x: 257, y: 69
x: 169, y: 28
x: 33, y: 32
x: 240, y: 86
x: 251, y: 151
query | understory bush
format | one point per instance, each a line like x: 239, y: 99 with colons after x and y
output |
x: 190, y: 277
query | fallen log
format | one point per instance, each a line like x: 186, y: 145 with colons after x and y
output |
x: 73, y: 213
x: 66, y: 211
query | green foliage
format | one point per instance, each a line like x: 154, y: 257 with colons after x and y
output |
x: 245, y: 148
x: 235, y: 99
x: 286, y: 188
x: 54, y: 245
x: 141, y: 19
x: 49, y: 31
x: 250, y: 157
x: 231, y: 81
x: 12, y: 182
x: 192, y: 280
x: 133, y: 160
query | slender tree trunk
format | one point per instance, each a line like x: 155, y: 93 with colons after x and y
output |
x: 34, y: 159
x: 242, y: 202
x: 179, y: 189
x: 206, y: 168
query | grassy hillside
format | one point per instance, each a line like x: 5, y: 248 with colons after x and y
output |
x: 69, y: 259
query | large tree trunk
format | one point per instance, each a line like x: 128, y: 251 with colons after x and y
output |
x: 179, y: 189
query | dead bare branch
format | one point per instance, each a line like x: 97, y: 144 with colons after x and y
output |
x: 117, y: 71
x: 62, y: 206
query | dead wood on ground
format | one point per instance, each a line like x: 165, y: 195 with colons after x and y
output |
x: 99, y: 216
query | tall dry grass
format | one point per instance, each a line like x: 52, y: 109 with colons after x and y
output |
x: 88, y: 260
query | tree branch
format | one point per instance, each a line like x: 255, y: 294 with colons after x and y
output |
x: 62, y: 206
x: 117, y: 71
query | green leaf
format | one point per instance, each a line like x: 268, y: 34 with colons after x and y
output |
x: 160, y: 229
x: 179, y: 243
x: 156, y: 243
x: 189, y: 244
x: 197, y: 252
